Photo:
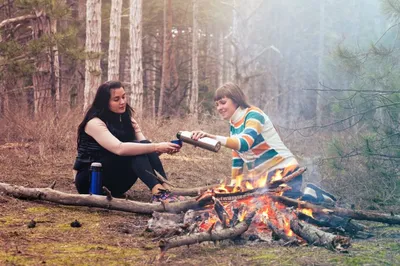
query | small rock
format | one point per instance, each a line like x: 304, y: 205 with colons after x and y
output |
x: 31, y: 224
x: 76, y: 223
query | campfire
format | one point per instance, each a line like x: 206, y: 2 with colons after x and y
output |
x: 254, y: 209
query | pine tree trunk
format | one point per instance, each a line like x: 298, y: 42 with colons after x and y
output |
x: 195, y: 70
x: 55, y: 71
x: 221, y: 59
x: 93, y: 50
x: 166, y: 64
x: 135, y: 26
x: 115, y: 40
x: 153, y: 76
x: 321, y: 49
x: 40, y: 79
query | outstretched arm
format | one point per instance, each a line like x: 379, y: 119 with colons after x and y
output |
x: 97, y: 129
x: 242, y: 142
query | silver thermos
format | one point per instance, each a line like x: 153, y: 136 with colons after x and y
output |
x: 205, y: 143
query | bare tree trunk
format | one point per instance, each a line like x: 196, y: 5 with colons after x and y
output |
x: 221, y: 58
x: 153, y: 77
x: 93, y: 50
x: 55, y: 71
x: 126, y: 67
x: 320, y: 58
x: 115, y: 40
x: 166, y: 62
x: 40, y: 79
x: 195, y: 69
x: 135, y: 29
x: 3, y: 98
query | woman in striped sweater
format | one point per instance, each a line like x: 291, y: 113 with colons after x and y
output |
x: 253, y: 139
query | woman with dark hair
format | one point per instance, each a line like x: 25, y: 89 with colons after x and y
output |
x: 108, y: 134
x: 253, y: 139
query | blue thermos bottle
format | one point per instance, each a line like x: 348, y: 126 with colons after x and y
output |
x: 96, y: 184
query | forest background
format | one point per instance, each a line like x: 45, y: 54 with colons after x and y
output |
x: 326, y: 73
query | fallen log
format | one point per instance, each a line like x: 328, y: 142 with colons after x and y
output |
x: 353, y: 214
x: 336, y: 223
x: 228, y: 233
x: 317, y: 237
x: 106, y: 202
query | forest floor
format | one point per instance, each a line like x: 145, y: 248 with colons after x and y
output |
x: 118, y: 238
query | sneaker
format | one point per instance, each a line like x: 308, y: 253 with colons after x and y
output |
x: 316, y: 195
x: 165, y: 196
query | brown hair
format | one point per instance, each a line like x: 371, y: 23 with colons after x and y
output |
x: 232, y: 91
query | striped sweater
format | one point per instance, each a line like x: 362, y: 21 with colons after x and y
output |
x: 255, y: 142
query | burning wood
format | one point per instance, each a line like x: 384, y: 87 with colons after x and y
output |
x: 316, y: 237
x: 228, y: 233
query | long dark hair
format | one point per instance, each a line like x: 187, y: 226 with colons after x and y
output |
x: 100, y: 108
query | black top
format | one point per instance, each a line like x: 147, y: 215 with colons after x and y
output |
x: 90, y: 151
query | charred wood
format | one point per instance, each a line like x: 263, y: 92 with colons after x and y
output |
x: 280, y: 234
x: 317, y: 237
x: 228, y: 233
x: 236, y: 210
x: 353, y: 214
x: 286, y: 179
x: 51, y: 195
x: 221, y: 213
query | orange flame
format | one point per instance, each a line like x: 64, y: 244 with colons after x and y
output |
x: 249, y: 185
x: 262, y: 181
x: 307, y: 212
x: 286, y: 227
x: 277, y: 176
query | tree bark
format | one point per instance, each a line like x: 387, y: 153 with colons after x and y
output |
x: 356, y: 215
x: 93, y: 50
x: 228, y: 233
x: 136, y: 99
x: 166, y: 69
x: 51, y: 195
x: 195, y: 69
x: 41, y: 77
x: 115, y: 40
x: 316, y: 237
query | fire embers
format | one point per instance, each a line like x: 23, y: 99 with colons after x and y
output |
x: 270, y: 222
x: 259, y: 183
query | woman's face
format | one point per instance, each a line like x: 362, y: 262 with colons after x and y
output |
x: 117, y: 102
x: 226, y: 107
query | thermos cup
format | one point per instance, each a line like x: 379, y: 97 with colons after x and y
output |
x: 96, y: 184
x: 205, y: 143
x: 177, y: 141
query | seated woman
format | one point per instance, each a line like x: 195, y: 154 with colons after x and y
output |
x: 108, y: 134
x: 253, y: 139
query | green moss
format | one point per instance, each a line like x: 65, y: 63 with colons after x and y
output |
x: 38, y: 210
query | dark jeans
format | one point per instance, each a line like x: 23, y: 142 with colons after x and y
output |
x: 295, y: 184
x: 119, y: 173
